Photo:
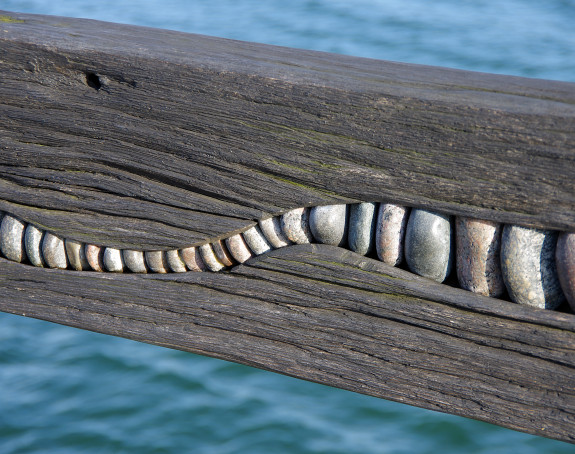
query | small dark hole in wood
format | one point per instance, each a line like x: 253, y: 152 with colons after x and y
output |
x: 93, y: 81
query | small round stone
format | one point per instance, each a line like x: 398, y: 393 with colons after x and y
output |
x: 134, y: 261
x: 156, y: 261
x: 94, y: 255
x: 565, y: 259
x: 222, y: 253
x: 76, y: 255
x: 390, y: 233
x: 12, y: 238
x: 272, y: 230
x: 54, y: 251
x: 209, y: 258
x: 112, y: 259
x: 33, y: 244
x: 238, y: 248
x: 429, y: 247
x: 295, y: 226
x: 256, y: 241
x: 175, y: 262
x: 528, y: 266
x: 328, y: 224
x: 362, y: 222
x: 478, y: 246
x: 192, y: 259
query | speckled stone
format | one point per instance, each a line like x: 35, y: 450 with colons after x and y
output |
x: 94, y: 255
x: 209, y: 258
x: 222, y: 253
x: 76, y: 255
x: 33, y: 244
x: 113, y: 261
x: 478, y: 246
x: 175, y: 262
x: 272, y: 230
x: 390, y: 233
x: 54, y: 251
x: 528, y: 266
x: 328, y: 224
x: 429, y: 248
x: 295, y: 226
x: 134, y: 261
x: 238, y: 248
x: 156, y: 261
x: 565, y: 259
x: 192, y: 258
x: 256, y: 241
x: 362, y: 222
x: 12, y: 238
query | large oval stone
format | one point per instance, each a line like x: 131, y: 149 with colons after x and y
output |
x: 362, y: 222
x: 113, y: 260
x: 528, y: 266
x: 54, y: 251
x: 12, y: 238
x: 238, y: 248
x: 33, y: 244
x: 95, y: 257
x: 478, y: 256
x: 565, y: 260
x: 328, y: 224
x: 390, y: 233
x: 256, y: 240
x: 76, y: 255
x: 209, y: 258
x: 429, y: 245
x: 192, y: 258
x: 295, y: 226
x: 134, y: 261
x: 156, y: 261
x: 175, y: 261
x: 272, y: 230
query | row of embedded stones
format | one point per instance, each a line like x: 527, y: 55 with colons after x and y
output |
x: 537, y: 267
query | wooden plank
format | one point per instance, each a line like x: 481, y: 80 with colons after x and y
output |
x: 143, y: 138
x: 327, y: 315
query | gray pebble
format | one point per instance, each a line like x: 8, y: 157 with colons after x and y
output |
x: 76, y: 255
x: 112, y: 259
x: 33, y: 243
x: 12, y: 238
x: 175, y: 262
x: 272, y: 230
x: 256, y: 241
x: 565, y: 259
x: 134, y: 261
x: 429, y: 247
x: 94, y: 255
x: 192, y: 259
x: 209, y: 258
x: 295, y: 226
x: 390, y: 233
x: 362, y: 222
x: 156, y: 261
x: 54, y: 251
x: 238, y: 248
x: 328, y: 224
x: 528, y: 266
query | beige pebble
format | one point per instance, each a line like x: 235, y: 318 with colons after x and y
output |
x: 390, y: 233
x: 134, y: 261
x: 54, y: 251
x: 209, y: 258
x: 156, y: 261
x: 175, y: 262
x: 272, y: 230
x: 94, y: 255
x: 256, y: 241
x: 222, y: 253
x: 295, y: 226
x: 113, y: 261
x: 238, y: 248
x: 76, y: 255
x: 192, y: 258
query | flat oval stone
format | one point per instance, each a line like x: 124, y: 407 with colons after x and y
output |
x: 209, y: 258
x: 94, y: 255
x: 12, y: 238
x: 429, y: 247
x: 272, y: 230
x: 256, y: 241
x: 134, y: 261
x: 295, y: 226
x: 328, y: 224
x: 156, y: 261
x: 175, y: 262
x: 192, y: 258
x: 565, y: 259
x: 238, y: 248
x: 76, y: 255
x: 222, y: 253
x: 33, y: 244
x: 362, y: 222
x: 113, y: 261
x: 54, y: 251
x: 390, y: 233
x: 528, y: 266
x: 478, y: 246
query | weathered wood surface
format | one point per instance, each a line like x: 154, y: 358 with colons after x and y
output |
x: 150, y: 139
x: 328, y: 315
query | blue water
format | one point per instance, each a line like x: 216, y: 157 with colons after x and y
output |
x: 64, y: 390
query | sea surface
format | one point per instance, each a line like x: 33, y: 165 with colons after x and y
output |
x: 64, y: 390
